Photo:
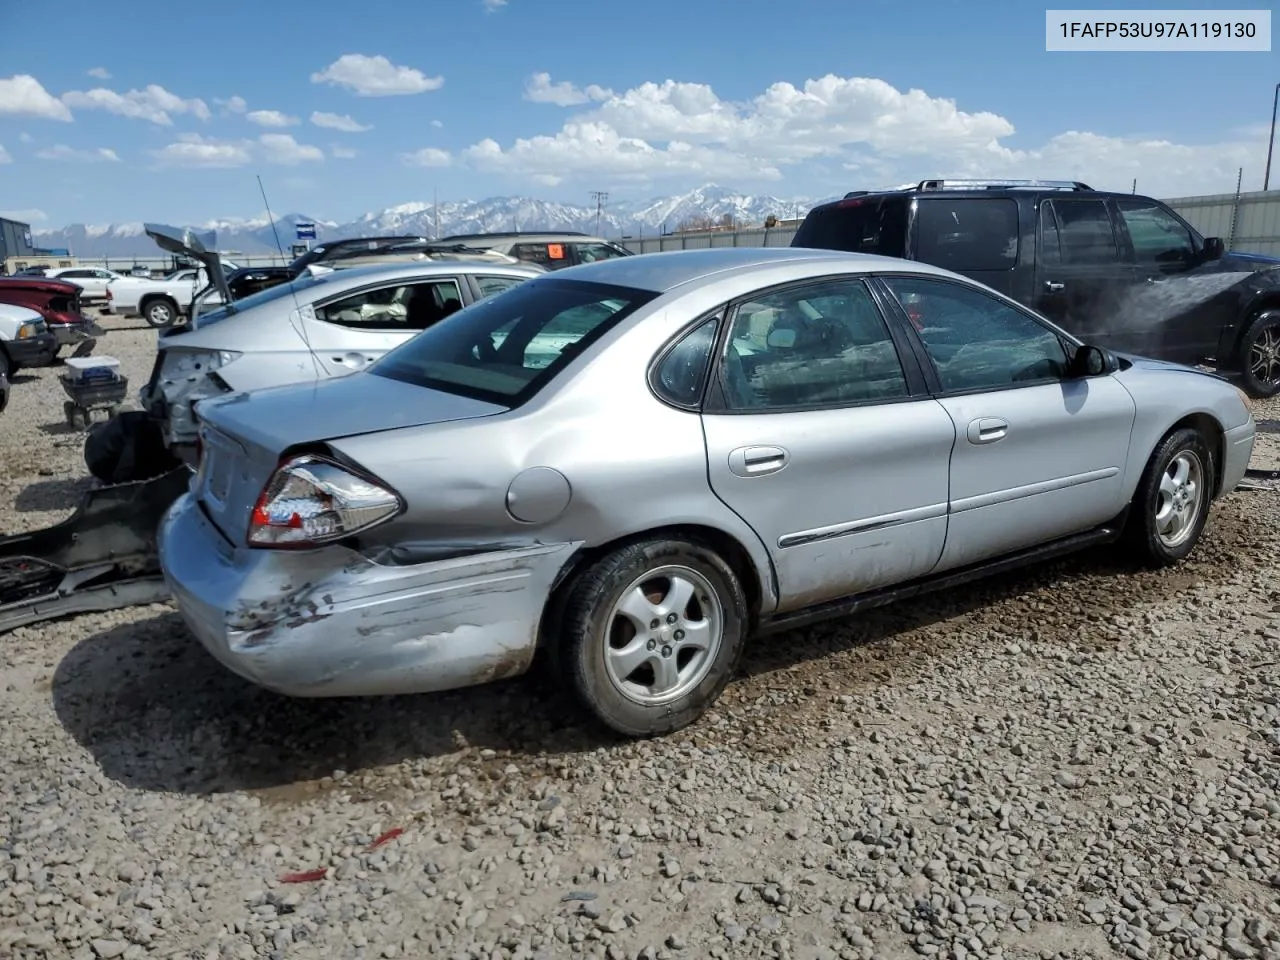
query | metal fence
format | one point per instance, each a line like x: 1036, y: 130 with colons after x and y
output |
x: 1248, y: 222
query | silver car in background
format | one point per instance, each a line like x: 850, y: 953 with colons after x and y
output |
x: 637, y: 464
x: 313, y: 328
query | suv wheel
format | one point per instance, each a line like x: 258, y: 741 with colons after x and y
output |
x: 1260, y: 355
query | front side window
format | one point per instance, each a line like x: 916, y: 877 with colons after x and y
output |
x: 977, y: 342
x: 1085, y: 234
x: 504, y: 349
x: 1158, y: 236
x: 967, y: 234
x: 408, y: 306
x: 820, y: 344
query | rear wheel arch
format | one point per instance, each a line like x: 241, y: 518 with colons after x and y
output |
x: 725, y: 545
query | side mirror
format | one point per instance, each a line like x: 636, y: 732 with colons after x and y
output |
x: 1214, y: 248
x: 1089, y: 361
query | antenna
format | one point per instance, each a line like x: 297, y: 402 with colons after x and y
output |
x: 297, y: 306
x: 599, y: 196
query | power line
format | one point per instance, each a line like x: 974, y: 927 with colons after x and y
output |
x: 599, y: 196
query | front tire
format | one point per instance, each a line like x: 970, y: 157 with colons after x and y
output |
x: 651, y: 634
x: 1260, y: 355
x: 161, y: 312
x: 1171, y: 505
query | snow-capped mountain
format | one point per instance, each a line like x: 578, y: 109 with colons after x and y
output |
x: 703, y: 206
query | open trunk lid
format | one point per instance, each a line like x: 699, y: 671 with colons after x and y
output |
x: 188, y: 243
x: 245, y: 435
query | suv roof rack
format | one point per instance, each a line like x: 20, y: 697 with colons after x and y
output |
x: 1003, y: 185
x: 516, y: 233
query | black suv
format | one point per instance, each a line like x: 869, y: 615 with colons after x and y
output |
x: 1116, y: 269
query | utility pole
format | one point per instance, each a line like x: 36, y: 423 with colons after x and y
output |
x: 599, y: 196
x: 1275, y: 100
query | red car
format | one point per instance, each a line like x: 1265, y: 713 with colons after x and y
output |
x: 57, y: 301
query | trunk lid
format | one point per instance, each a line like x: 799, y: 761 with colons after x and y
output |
x: 244, y: 435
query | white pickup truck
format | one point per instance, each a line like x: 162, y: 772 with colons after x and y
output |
x: 160, y: 302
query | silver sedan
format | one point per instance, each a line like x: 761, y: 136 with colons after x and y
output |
x: 635, y: 465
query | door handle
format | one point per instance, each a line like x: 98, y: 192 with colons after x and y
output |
x: 757, y: 461
x: 1053, y: 286
x: 987, y: 430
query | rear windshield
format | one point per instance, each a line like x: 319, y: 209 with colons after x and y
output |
x: 871, y: 225
x: 506, y: 348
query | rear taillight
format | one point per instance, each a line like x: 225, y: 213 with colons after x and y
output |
x: 310, y: 501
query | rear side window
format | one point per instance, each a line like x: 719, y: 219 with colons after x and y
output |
x: 858, y: 226
x: 967, y: 234
x: 505, y: 349
x: 682, y: 373
x: 1085, y: 233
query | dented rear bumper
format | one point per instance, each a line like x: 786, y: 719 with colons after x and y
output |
x: 330, y: 622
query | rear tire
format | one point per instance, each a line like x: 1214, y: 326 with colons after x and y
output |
x: 651, y: 634
x: 1171, y: 505
x: 1260, y: 355
x: 160, y: 312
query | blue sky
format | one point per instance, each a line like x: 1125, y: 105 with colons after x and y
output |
x: 156, y: 114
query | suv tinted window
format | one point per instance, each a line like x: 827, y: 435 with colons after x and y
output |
x: 967, y: 234
x: 1085, y: 232
x: 976, y: 341
x: 504, y: 349
x: 1158, y: 236
x: 817, y: 344
x: 872, y: 225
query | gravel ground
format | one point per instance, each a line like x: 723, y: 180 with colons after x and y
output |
x: 1079, y: 761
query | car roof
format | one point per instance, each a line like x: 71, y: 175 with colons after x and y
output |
x: 661, y: 272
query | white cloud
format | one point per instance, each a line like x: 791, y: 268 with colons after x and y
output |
x: 427, y: 157
x: 99, y: 73
x: 25, y: 216
x: 342, y: 153
x: 595, y: 149
x: 676, y: 130
x: 234, y: 104
x: 153, y: 103
x: 437, y: 124
x: 71, y: 155
x: 25, y: 138
x: 540, y: 89
x: 493, y: 6
x: 338, y: 121
x: 375, y: 77
x: 282, y: 149
x: 192, y: 150
x: 23, y: 96
x: 270, y: 118
x: 4, y: 155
